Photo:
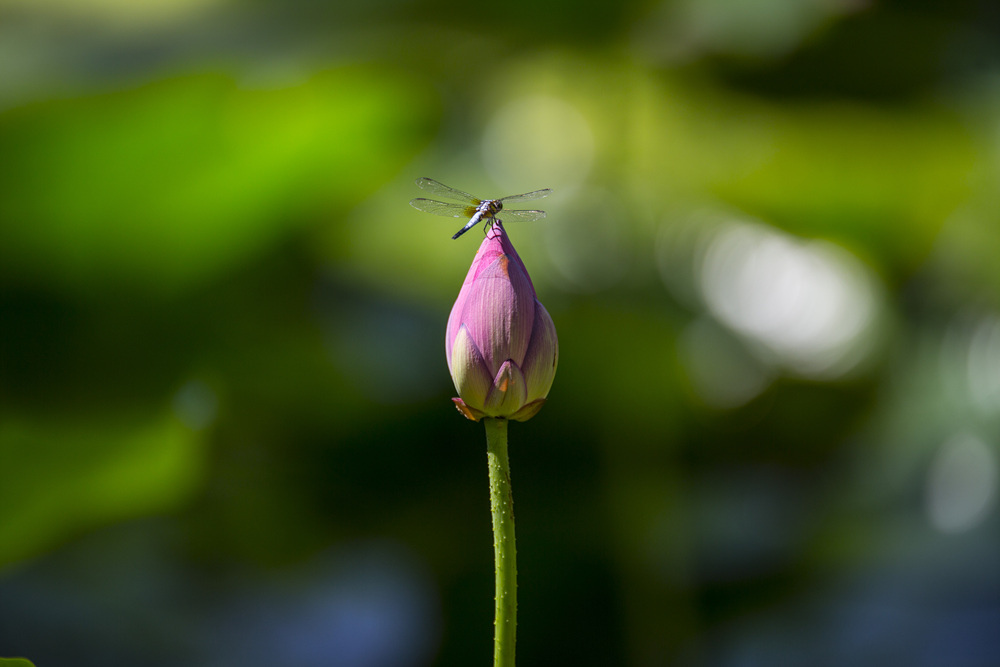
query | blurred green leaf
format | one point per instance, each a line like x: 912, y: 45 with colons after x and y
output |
x: 167, y: 184
x: 16, y: 662
x: 61, y: 476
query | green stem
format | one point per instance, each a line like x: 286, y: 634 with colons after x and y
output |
x: 505, y: 555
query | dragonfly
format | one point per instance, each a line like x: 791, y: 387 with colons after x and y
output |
x: 475, y: 209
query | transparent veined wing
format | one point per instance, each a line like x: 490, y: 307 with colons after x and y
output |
x: 522, y: 215
x: 527, y: 196
x: 442, y: 190
x: 447, y: 209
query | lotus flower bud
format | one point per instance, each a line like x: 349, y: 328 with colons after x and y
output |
x: 501, y: 343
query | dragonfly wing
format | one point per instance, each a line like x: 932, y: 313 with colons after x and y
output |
x: 523, y: 215
x: 443, y: 208
x: 527, y: 196
x: 442, y: 190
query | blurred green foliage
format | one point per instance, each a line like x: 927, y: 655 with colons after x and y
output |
x: 225, y: 429
x: 100, y: 200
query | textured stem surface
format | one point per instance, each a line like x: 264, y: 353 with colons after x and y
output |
x: 505, y: 555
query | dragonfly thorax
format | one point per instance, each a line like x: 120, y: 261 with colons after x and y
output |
x: 490, y: 207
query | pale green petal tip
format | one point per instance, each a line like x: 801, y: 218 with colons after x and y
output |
x: 468, y: 370
x: 506, y: 396
x: 528, y: 411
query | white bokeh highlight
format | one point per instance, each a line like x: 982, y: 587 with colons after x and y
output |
x: 809, y: 304
x: 961, y: 485
x: 983, y: 364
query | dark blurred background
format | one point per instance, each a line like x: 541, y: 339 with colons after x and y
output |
x: 226, y: 437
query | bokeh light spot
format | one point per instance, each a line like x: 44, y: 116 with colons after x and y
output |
x: 540, y: 139
x: 961, y: 484
x: 983, y: 364
x: 810, y: 304
x: 721, y: 370
x: 586, y: 242
x: 196, y: 404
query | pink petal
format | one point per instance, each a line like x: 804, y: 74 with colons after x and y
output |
x: 507, y: 393
x: 507, y: 248
x: 489, y: 251
x: 499, y: 318
x: 540, y: 362
x: 499, y: 312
